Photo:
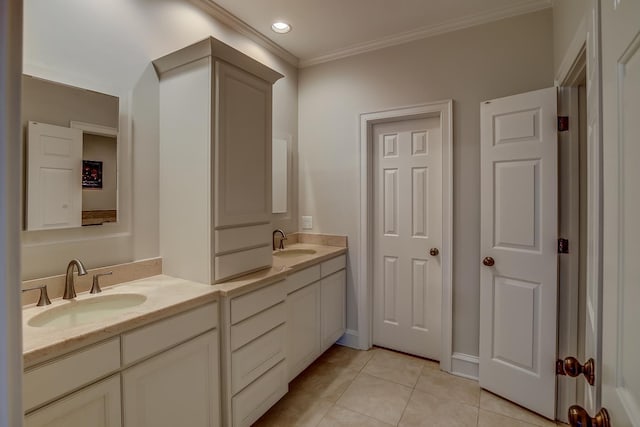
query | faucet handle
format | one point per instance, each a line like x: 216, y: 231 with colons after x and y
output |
x: 95, y: 287
x: 44, y: 296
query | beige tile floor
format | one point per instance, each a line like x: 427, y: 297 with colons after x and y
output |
x: 346, y: 387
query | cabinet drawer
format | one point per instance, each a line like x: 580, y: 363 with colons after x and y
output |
x: 232, y: 239
x: 333, y: 265
x: 254, y: 302
x: 60, y: 376
x: 166, y: 333
x: 258, y: 325
x: 241, y: 262
x: 255, y: 358
x: 252, y: 402
x: 302, y: 278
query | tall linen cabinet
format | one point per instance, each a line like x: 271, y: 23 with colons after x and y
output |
x: 215, y: 162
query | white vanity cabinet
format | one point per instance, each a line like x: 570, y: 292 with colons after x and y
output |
x: 177, y: 387
x: 333, y: 291
x: 254, y: 368
x: 97, y: 405
x: 316, y: 312
x: 303, y: 320
x: 162, y: 374
x: 215, y: 162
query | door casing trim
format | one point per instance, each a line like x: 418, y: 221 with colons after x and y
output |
x: 364, y: 292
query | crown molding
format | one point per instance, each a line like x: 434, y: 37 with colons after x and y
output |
x: 245, y: 29
x: 519, y: 8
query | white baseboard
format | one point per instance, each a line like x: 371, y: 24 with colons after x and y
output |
x: 465, y: 365
x: 350, y: 339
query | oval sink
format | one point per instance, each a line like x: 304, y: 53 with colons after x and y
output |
x: 88, y: 310
x: 290, y: 253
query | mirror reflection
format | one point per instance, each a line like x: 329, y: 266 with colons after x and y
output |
x: 71, y: 155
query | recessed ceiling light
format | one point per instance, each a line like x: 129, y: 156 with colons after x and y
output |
x: 281, y: 27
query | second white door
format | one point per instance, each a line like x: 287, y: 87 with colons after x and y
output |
x: 407, y: 236
x: 518, y: 238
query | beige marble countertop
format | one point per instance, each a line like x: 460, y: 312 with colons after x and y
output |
x: 323, y: 253
x: 252, y: 281
x: 280, y: 269
x: 165, y: 295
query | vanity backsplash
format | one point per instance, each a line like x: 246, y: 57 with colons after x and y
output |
x: 121, y: 273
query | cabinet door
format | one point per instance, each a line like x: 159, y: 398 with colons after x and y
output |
x: 333, y: 290
x: 303, y: 327
x: 177, y: 388
x: 242, y: 148
x: 96, y: 406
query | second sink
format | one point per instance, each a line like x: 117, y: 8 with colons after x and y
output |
x: 290, y: 253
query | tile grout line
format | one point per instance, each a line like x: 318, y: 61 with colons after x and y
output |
x: 405, y: 407
x: 344, y: 391
x: 413, y: 389
x: 358, y: 412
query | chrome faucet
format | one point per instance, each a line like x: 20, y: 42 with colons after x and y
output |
x: 282, y: 239
x: 69, y: 285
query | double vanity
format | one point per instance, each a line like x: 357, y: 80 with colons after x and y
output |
x: 214, y: 335
x: 162, y: 351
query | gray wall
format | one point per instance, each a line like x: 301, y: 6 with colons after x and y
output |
x: 480, y: 63
x: 57, y: 104
x: 567, y: 17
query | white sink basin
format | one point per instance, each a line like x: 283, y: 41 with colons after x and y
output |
x: 78, y: 312
x: 291, y: 253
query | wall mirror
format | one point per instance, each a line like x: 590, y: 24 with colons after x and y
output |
x: 71, y: 152
x: 280, y: 173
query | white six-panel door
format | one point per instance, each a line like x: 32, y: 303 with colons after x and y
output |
x: 54, y: 177
x: 519, y: 207
x: 407, y: 224
x: 621, y: 191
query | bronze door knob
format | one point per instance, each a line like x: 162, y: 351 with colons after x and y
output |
x: 488, y: 261
x: 579, y: 417
x: 434, y: 251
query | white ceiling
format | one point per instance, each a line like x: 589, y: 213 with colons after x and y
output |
x: 330, y: 29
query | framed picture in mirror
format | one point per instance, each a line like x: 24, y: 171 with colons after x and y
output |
x: 91, y: 174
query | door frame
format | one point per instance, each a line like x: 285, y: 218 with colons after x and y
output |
x: 10, y: 163
x: 444, y: 110
x: 569, y: 268
x: 567, y: 77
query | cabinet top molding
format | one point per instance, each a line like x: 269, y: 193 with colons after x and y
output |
x: 216, y: 49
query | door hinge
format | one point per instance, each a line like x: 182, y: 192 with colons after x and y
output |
x: 563, y: 123
x: 563, y: 246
